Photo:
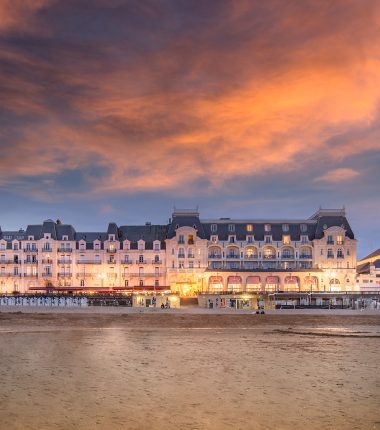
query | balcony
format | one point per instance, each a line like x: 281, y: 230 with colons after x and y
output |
x: 30, y: 250
x: 89, y: 262
x: 216, y: 256
x: 3, y: 274
x: 287, y: 256
x: 181, y: 255
x: 30, y: 262
x: 49, y: 261
x: 330, y: 255
x: 85, y: 275
x: 64, y: 261
x: 142, y: 262
x: 30, y: 275
x: 47, y: 250
x: 156, y: 262
x: 144, y: 275
x: 340, y: 256
x: 330, y: 242
x: 190, y: 241
x: 232, y: 256
x: 111, y: 250
x: 126, y: 262
x: 306, y: 256
x: 251, y: 257
x: 46, y: 275
x: 111, y: 262
x: 64, y: 250
x: 9, y: 262
x: 269, y: 257
x: 65, y: 275
x: 215, y: 265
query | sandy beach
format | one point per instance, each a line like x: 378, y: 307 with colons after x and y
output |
x: 189, y: 370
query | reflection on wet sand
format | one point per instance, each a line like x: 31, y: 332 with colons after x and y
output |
x: 107, y: 372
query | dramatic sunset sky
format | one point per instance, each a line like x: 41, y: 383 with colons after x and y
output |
x: 116, y: 110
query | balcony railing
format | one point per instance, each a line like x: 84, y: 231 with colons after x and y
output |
x: 181, y: 255
x: 89, y: 262
x: 47, y: 250
x: 142, y: 262
x: 47, y: 275
x: 65, y: 275
x: 340, y: 256
x: 9, y: 274
x: 111, y: 262
x: 111, y: 250
x: 30, y: 262
x: 126, y: 262
x: 232, y: 256
x: 251, y: 257
x: 330, y: 255
x: 144, y: 275
x: 30, y: 250
x: 65, y: 250
x: 287, y: 256
x: 9, y: 262
x: 64, y: 261
x: 47, y: 261
x: 306, y: 256
x: 215, y: 256
x: 269, y: 257
x: 30, y: 275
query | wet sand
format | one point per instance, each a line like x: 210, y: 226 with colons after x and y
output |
x: 189, y: 371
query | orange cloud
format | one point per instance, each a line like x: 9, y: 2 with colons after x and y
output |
x: 230, y: 99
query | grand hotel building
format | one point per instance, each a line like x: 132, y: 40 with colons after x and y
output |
x: 188, y: 255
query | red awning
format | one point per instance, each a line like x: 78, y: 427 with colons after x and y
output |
x: 272, y: 280
x: 150, y: 288
x: 291, y: 280
x: 234, y: 280
x: 216, y: 280
x: 253, y: 280
x: 311, y: 280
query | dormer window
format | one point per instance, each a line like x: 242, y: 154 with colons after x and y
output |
x: 231, y: 227
x: 141, y: 245
x: 249, y: 227
x: 111, y: 237
x: 156, y: 246
x: 126, y: 245
x: 286, y: 239
x: 214, y: 239
x: 190, y: 239
x: 285, y: 227
x: 231, y: 239
x: 339, y: 240
x: 268, y: 239
x: 250, y: 239
x: 65, y: 237
x: 181, y: 238
x: 30, y: 237
x: 303, y: 228
x: 267, y: 227
x: 304, y: 239
x: 97, y: 246
x: 214, y: 228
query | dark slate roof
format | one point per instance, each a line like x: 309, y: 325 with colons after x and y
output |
x: 377, y: 264
x: 49, y: 227
x: 112, y: 229
x: 188, y: 221
x: 363, y: 269
x: 65, y: 230
x: 148, y: 233
x: 331, y: 221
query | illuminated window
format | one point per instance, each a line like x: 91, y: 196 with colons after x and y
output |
x: 214, y: 227
x: 339, y: 240
x: 267, y: 227
x: 249, y: 227
x: 286, y: 239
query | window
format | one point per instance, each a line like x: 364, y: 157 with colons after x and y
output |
x: 339, y: 253
x: 126, y: 283
x: 286, y: 239
x: 285, y: 227
x: 214, y: 238
x: 141, y: 259
x: 190, y: 239
x: 231, y: 227
x: 191, y: 264
x: 267, y: 227
x: 339, y: 240
x: 97, y: 245
x: 181, y: 253
x: 141, y: 283
x: 111, y: 237
x: 156, y: 258
x: 330, y: 240
x: 156, y: 283
x: 330, y: 253
x: 214, y: 227
x: 304, y: 239
x: 268, y: 239
x: 303, y: 228
x: 190, y: 253
x: 348, y: 252
x: 141, y: 245
x: 181, y: 238
x: 249, y: 239
x: 82, y: 283
x: 15, y: 246
x: 231, y: 239
x: 156, y: 246
x: 249, y: 227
